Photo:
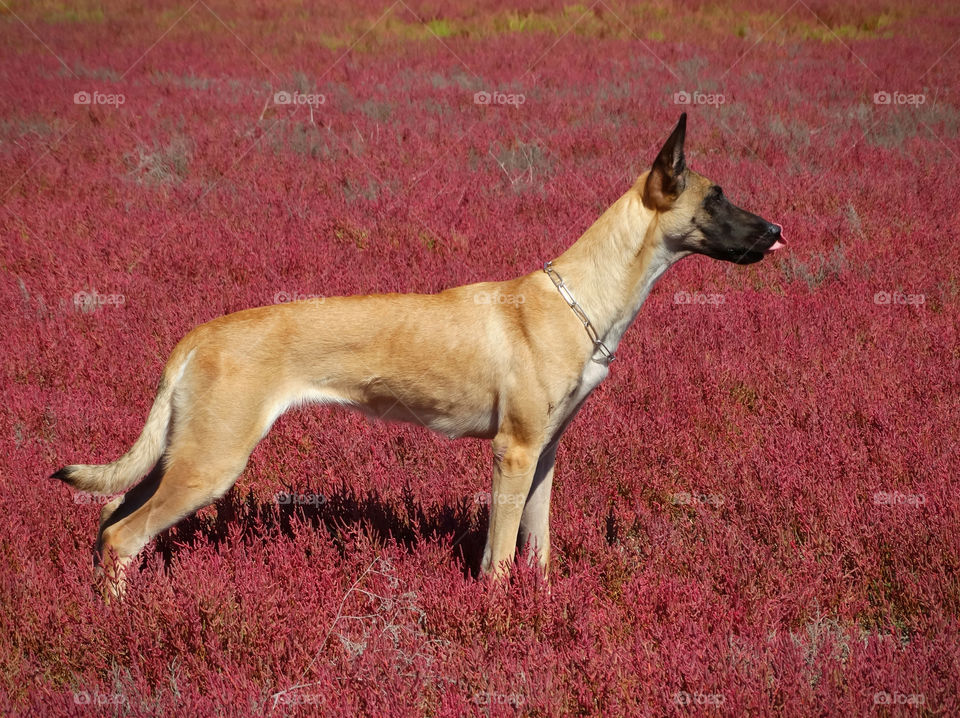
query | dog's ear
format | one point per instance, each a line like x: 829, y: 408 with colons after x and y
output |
x: 665, y: 181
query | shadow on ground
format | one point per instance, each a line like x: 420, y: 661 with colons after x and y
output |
x: 341, y: 514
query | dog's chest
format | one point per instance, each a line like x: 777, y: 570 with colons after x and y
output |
x: 590, y: 378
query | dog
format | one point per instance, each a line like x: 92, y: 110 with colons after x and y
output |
x: 463, y: 362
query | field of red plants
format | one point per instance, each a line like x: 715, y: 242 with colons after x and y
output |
x: 757, y: 514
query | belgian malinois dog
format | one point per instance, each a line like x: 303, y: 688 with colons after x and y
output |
x: 473, y: 361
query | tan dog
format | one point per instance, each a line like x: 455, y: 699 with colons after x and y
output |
x: 509, y: 361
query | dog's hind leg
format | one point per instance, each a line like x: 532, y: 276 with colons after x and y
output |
x: 204, y: 458
x: 186, y: 486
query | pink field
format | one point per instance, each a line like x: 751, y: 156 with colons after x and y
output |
x: 757, y: 514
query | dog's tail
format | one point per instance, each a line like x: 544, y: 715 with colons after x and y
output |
x: 147, y: 449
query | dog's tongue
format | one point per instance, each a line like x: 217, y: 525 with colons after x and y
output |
x: 779, y: 244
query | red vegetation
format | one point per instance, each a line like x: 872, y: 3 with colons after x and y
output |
x: 757, y: 514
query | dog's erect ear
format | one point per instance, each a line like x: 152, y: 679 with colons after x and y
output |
x: 665, y: 181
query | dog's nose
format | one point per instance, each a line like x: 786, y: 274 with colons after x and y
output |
x: 774, y: 230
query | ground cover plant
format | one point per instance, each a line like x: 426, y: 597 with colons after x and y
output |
x: 757, y: 514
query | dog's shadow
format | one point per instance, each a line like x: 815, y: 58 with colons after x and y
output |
x: 342, y: 514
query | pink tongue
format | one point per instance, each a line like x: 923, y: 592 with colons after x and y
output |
x: 779, y: 244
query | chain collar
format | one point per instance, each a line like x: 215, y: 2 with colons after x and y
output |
x: 598, y: 346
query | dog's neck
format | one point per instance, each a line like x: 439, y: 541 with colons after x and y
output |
x: 611, y: 269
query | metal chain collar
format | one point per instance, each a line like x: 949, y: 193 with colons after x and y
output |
x: 578, y: 310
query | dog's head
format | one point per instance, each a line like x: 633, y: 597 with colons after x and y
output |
x: 695, y: 216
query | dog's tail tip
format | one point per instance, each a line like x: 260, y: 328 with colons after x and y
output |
x: 65, y: 475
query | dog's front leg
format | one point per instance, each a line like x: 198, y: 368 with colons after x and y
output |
x: 535, y: 521
x: 513, y: 470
